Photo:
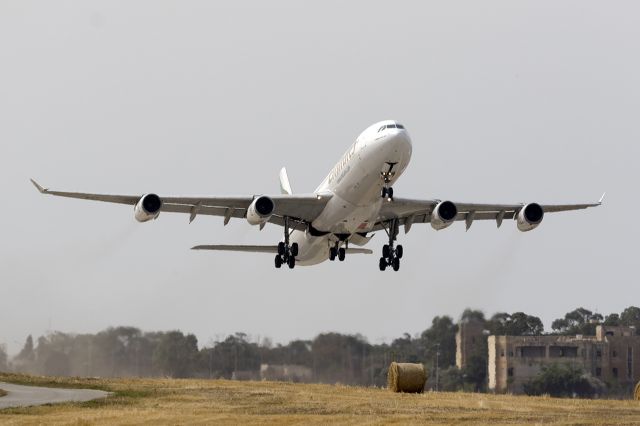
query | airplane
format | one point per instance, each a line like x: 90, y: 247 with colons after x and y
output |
x: 354, y: 201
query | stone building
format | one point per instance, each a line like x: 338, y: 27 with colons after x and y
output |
x: 612, y: 355
x: 470, y: 341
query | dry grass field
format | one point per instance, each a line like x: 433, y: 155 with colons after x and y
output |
x: 167, y: 401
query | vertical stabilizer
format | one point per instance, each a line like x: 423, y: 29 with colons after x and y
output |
x: 285, y: 186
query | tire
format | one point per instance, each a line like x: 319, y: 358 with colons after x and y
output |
x: 292, y: 262
x: 399, y: 252
x: 396, y: 264
x: 332, y: 254
x: 294, y: 249
x: 383, y: 194
x: 386, y: 251
x: 390, y: 193
x: 383, y: 264
x: 280, y: 248
x: 342, y: 253
x: 278, y: 261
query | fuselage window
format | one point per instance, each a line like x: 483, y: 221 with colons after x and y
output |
x: 381, y: 128
x: 391, y: 126
x: 400, y: 126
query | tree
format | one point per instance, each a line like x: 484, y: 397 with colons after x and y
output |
x: 475, y: 372
x: 440, y: 337
x: 472, y: 315
x: 578, y: 321
x: 612, y: 320
x: 631, y: 317
x: 176, y: 354
x: 4, y: 359
x: 516, y: 324
x: 27, y: 353
x: 563, y: 380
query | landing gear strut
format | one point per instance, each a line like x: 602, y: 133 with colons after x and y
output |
x: 391, y: 255
x: 387, y: 191
x: 340, y: 253
x: 286, y: 253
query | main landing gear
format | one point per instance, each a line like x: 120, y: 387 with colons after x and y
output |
x: 340, y: 253
x: 391, y: 255
x: 286, y: 253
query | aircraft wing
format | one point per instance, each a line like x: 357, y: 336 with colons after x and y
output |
x: 409, y: 211
x: 264, y: 249
x: 300, y: 208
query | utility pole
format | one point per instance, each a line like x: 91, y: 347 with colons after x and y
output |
x: 437, y: 366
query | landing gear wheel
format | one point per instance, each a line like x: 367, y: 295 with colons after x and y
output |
x: 333, y: 253
x: 294, y: 249
x: 281, y: 249
x: 291, y: 262
x: 278, y: 261
x: 395, y: 264
x: 399, y: 252
x: 385, y: 251
x: 390, y: 193
x: 384, y: 192
x: 383, y: 263
x: 342, y: 253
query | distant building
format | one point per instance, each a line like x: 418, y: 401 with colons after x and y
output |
x: 470, y: 341
x: 244, y: 375
x: 612, y: 355
x: 286, y: 373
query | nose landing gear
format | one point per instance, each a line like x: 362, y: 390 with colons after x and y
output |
x: 286, y: 253
x: 391, y: 255
x: 387, y: 176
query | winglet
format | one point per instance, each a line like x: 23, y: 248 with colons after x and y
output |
x: 602, y: 198
x: 38, y: 187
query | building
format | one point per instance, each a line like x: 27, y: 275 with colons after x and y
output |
x: 612, y: 355
x: 286, y: 373
x: 470, y: 341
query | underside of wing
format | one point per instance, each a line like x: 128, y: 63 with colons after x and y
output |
x: 407, y: 212
x: 301, y: 209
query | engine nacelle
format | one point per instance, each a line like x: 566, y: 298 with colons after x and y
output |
x: 260, y: 210
x: 443, y: 215
x: 530, y: 217
x: 148, y: 208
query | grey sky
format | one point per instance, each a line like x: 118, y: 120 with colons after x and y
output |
x: 505, y: 101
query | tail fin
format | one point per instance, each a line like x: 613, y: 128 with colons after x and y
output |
x: 285, y: 186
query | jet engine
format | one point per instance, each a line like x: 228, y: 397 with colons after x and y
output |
x: 530, y: 217
x: 148, y: 208
x: 443, y: 215
x: 260, y: 210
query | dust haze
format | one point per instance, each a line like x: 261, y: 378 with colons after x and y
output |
x: 504, y: 101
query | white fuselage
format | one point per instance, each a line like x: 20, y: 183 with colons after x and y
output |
x: 355, y: 186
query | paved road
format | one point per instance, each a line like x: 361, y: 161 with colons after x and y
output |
x: 24, y: 396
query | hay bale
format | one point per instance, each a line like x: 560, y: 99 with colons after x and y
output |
x: 406, y: 377
x: 636, y: 393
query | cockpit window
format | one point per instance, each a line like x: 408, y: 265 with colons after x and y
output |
x: 391, y: 126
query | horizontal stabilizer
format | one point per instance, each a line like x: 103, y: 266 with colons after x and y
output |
x: 249, y: 249
x: 359, y: 251
x: 264, y: 249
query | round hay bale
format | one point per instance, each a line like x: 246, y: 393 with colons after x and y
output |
x: 636, y: 393
x: 406, y: 377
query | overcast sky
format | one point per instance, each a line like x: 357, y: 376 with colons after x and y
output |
x: 506, y: 101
